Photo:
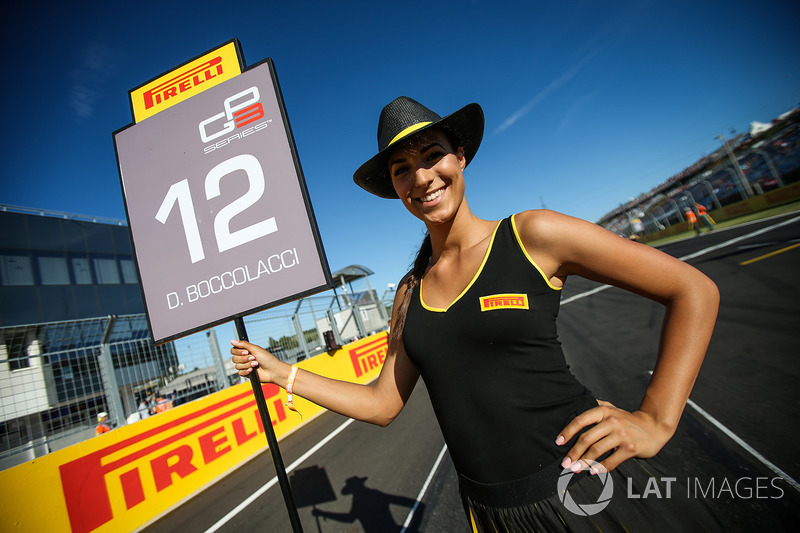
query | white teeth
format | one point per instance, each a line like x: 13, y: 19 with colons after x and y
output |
x: 432, y: 196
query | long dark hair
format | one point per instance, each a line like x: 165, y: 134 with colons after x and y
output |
x: 412, y: 281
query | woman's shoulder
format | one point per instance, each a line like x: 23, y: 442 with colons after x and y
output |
x: 536, y: 216
x: 547, y: 229
x: 539, y: 224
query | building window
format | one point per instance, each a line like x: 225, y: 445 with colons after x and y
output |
x: 15, y: 348
x: 53, y: 270
x: 81, y: 271
x: 128, y: 271
x: 106, y: 270
x: 16, y: 270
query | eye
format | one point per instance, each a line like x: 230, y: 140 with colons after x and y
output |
x: 433, y: 155
x: 399, y: 170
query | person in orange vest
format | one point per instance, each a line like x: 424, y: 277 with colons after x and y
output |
x: 704, y: 216
x: 692, y: 220
x: 102, y: 424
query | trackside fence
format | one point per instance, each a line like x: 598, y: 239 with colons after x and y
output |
x: 56, y: 378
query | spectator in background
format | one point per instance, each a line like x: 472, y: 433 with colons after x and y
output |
x: 692, y: 220
x: 102, y: 424
x: 702, y: 212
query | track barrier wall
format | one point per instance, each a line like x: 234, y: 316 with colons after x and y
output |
x: 783, y: 195
x: 126, y: 478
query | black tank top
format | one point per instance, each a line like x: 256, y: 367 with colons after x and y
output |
x: 500, y: 386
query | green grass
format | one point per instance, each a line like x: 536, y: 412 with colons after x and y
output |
x: 766, y: 213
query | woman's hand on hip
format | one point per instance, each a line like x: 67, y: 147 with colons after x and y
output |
x: 615, y: 430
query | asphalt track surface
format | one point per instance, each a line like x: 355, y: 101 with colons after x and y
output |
x: 735, y: 449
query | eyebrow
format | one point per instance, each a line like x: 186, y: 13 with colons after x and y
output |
x: 422, y: 151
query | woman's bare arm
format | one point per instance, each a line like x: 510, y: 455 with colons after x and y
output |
x: 565, y: 246
x: 378, y: 402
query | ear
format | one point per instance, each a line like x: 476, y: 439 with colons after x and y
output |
x: 462, y: 158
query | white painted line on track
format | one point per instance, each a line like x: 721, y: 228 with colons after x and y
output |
x: 423, y: 490
x: 794, y: 484
x: 738, y: 239
x: 738, y: 440
x: 704, y: 251
x: 585, y: 294
x: 239, y: 508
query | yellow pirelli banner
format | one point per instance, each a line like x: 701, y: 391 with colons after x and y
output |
x: 121, y: 480
x: 185, y: 81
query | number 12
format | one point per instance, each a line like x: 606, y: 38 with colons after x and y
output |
x: 180, y: 194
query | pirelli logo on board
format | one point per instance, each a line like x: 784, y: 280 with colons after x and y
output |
x: 504, y: 301
x: 181, y: 83
x: 170, y: 460
x: 369, y: 356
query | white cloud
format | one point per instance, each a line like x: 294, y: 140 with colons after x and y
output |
x: 551, y: 87
x: 573, y: 110
x: 89, y: 78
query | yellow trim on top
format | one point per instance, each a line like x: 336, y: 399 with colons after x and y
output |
x: 408, y: 131
x: 471, y: 283
x: 525, y: 251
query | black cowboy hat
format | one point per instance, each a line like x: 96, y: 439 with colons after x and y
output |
x: 403, y: 117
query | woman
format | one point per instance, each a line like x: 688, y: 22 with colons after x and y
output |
x: 476, y: 318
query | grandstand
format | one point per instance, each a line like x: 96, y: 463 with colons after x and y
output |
x: 763, y: 164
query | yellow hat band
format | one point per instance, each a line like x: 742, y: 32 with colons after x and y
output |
x: 408, y: 131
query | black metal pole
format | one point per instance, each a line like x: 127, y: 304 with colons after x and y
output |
x: 277, y: 460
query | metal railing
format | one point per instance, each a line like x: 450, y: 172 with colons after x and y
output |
x: 767, y: 165
x: 55, y: 378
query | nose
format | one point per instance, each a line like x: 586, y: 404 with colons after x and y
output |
x: 423, y: 177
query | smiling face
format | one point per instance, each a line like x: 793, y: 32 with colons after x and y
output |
x: 427, y: 174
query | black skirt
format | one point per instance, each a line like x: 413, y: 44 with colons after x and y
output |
x: 637, y: 496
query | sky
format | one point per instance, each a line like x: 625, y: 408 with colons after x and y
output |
x: 588, y: 103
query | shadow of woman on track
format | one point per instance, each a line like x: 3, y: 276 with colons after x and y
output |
x: 370, y: 507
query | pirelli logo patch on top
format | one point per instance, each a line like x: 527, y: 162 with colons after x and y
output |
x: 504, y: 301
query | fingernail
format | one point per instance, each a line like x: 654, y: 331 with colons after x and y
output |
x: 576, y: 467
x: 566, y: 462
x: 251, y: 358
x: 560, y: 440
x: 593, y: 471
x: 254, y: 363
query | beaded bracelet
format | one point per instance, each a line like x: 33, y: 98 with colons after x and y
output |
x: 289, y: 395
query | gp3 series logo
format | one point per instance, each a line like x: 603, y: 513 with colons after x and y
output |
x: 240, y: 110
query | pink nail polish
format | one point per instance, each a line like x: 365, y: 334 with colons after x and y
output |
x: 566, y: 462
x: 560, y: 440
